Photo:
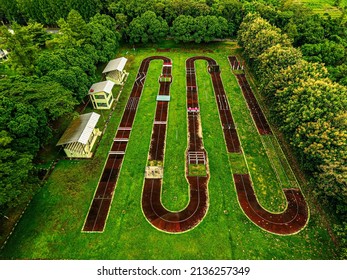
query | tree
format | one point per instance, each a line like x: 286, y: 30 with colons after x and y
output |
x: 312, y: 115
x: 256, y: 35
x: 16, y: 182
x: 328, y: 52
x: 193, y: 8
x: 232, y: 11
x: 131, y: 8
x: 10, y: 12
x: 86, y: 8
x: 121, y: 24
x: 273, y: 60
x: 209, y: 28
x: 147, y: 28
x: 73, y: 79
x: 22, y: 46
x: 183, y: 29
x: 73, y: 31
x: 310, y: 30
x: 293, y: 75
x: 103, y: 36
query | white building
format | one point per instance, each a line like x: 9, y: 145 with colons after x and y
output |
x: 79, y: 138
x: 115, y: 72
x: 101, y: 95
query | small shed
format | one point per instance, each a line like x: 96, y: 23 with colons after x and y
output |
x: 79, y: 138
x: 101, y: 95
x: 115, y: 72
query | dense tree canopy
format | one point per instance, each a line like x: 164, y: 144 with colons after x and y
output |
x: 24, y: 43
x: 147, y: 28
x: 48, y: 11
x: 199, y: 29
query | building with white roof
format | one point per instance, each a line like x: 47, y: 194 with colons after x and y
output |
x: 101, y: 95
x: 79, y: 138
x: 115, y: 72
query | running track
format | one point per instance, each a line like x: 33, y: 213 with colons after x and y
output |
x: 101, y: 203
x: 295, y: 217
x: 155, y: 212
x: 290, y: 221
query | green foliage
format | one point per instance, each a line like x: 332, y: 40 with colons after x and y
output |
x: 339, y: 74
x: 50, y: 11
x: 73, y: 30
x: 103, y: 36
x: 183, y: 29
x: 72, y: 68
x: 147, y: 28
x: 131, y: 8
x: 274, y: 59
x: 16, y: 184
x: 9, y: 11
x: 23, y: 45
x: 199, y: 29
x: 293, y: 74
x: 232, y: 11
x: 209, y: 28
x: 26, y: 107
x: 256, y: 35
x: 310, y: 112
x: 341, y: 231
x: 328, y: 52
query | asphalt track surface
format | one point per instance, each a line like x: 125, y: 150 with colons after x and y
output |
x: 295, y: 216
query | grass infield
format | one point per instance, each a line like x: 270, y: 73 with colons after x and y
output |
x: 51, y: 226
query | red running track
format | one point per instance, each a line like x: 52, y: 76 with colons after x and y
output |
x: 290, y: 221
x: 295, y: 217
x: 155, y: 212
x: 256, y: 112
x: 101, y: 203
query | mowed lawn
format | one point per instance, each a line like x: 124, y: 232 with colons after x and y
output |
x: 323, y: 6
x: 51, y: 226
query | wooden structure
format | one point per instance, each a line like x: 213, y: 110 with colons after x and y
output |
x: 80, y: 137
x: 101, y: 95
x: 115, y: 72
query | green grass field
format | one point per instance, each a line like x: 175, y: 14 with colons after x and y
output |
x: 323, y: 6
x: 51, y: 226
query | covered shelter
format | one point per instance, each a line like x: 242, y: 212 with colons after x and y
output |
x: 79, y: 138
x: 115, y: 72
x: 101, y: 95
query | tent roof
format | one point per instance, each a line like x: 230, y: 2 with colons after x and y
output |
x: 105, y: 86
x: 115, y: 64
x: 80, y: 129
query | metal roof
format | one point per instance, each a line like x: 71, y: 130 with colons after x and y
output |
x: 80, y: 129
x: 105, y: 86
x: 163, y: 97
x: 115, y: 64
